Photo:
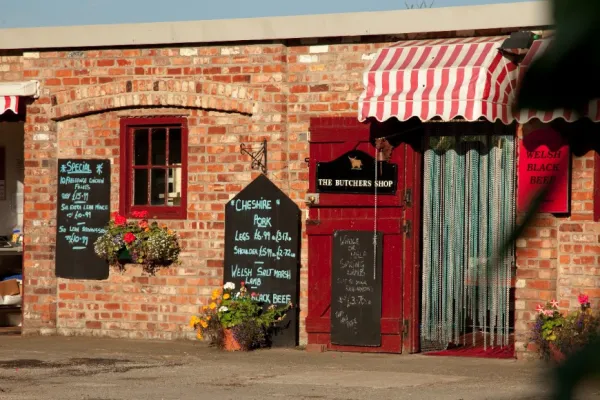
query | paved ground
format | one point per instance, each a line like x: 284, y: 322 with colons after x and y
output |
x: 104, y: 369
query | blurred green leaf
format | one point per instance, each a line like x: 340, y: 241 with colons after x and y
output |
x: 566, y: 74
x: 574, y: 369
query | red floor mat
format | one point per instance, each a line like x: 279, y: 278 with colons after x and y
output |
x: 476, y: 349
x: 495, y: 352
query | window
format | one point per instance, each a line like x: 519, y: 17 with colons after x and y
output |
x: 154, y: 167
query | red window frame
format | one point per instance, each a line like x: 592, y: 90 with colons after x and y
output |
x: 126, y: 206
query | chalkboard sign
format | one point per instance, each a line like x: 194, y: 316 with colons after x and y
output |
x: 356, y: 289
x: 83, y: 212
x: 262, y: 246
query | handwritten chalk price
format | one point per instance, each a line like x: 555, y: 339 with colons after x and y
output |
x: 276, y: 237
x: 76, y: 239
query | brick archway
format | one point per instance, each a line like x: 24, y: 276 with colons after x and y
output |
x: 73, y: 103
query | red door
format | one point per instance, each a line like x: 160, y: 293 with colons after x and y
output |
x: 331, y: 138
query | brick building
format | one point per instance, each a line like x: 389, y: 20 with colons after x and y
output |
x: 257, y: 80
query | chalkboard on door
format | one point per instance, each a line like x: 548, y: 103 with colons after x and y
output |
x: 262, y: 249
x: 356, y: 270
x: 83, y: 213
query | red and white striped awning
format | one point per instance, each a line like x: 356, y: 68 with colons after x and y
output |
x: 9, y: 103
x: 537, y: 48
x: 448, y: 78
x: 10, y: 92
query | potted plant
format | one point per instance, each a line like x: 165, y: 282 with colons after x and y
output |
x: 138, y: 242
x: 557, y: 336
x: 237, y: 320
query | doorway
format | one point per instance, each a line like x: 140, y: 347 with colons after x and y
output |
x: 354, y: 195
x: 12, y: 177
x: 469, y: 203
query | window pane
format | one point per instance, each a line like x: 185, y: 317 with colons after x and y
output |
x: 159, y: 146
x: 157, y: 187
x: 175, y: 146
x: 140, y: 187
x: 174, y: 187
x: 140, y: 147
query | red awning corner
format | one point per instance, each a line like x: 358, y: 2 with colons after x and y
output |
x: 9, y: 103
x: 447, y: 78
x: 10, y: 92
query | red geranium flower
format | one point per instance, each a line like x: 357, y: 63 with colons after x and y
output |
x: 120, y: 220
x: 583, y: 298
x: 140, y: 214
x: 129, y: 238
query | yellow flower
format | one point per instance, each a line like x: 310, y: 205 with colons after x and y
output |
x: 226, y: 296
x: 170, y: 232
x: 215, y: 294
x: 193, y: 321
x: 204, y: 324
x: 204, y: 308
x: 199, y: 335
x: 208, y: 317
x: 213, y: 305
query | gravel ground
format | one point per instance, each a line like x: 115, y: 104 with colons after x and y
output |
x: 68, y: 368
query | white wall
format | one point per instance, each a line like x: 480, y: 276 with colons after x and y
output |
x: 12, y: 135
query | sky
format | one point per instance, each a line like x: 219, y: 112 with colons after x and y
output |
x: 37, y: 13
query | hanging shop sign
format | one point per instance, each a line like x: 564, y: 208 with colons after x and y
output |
x: 354, y: 173
x: 544, y: 162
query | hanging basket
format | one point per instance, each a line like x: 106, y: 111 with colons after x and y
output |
x: 229, y: 342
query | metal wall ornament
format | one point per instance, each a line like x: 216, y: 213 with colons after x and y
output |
x: 384, y: 149
x: 259, y: 157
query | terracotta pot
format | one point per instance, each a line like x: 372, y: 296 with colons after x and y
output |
x: 557, y: 355
x: 229, y: 342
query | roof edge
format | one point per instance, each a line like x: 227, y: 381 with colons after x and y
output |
x: 492, y: 16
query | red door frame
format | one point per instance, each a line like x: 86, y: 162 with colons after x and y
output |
x: 345, y: 129
x: 413, y: 169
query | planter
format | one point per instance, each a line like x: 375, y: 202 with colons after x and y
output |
x: 229, y: 342
x: 556, y: 354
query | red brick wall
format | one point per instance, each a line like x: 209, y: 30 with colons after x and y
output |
x: 132, y: 304
x: 558, y: 256
x: 11, y: 66
x: 289, y: 84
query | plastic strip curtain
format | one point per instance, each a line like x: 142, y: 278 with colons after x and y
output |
x: 468, y: 213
